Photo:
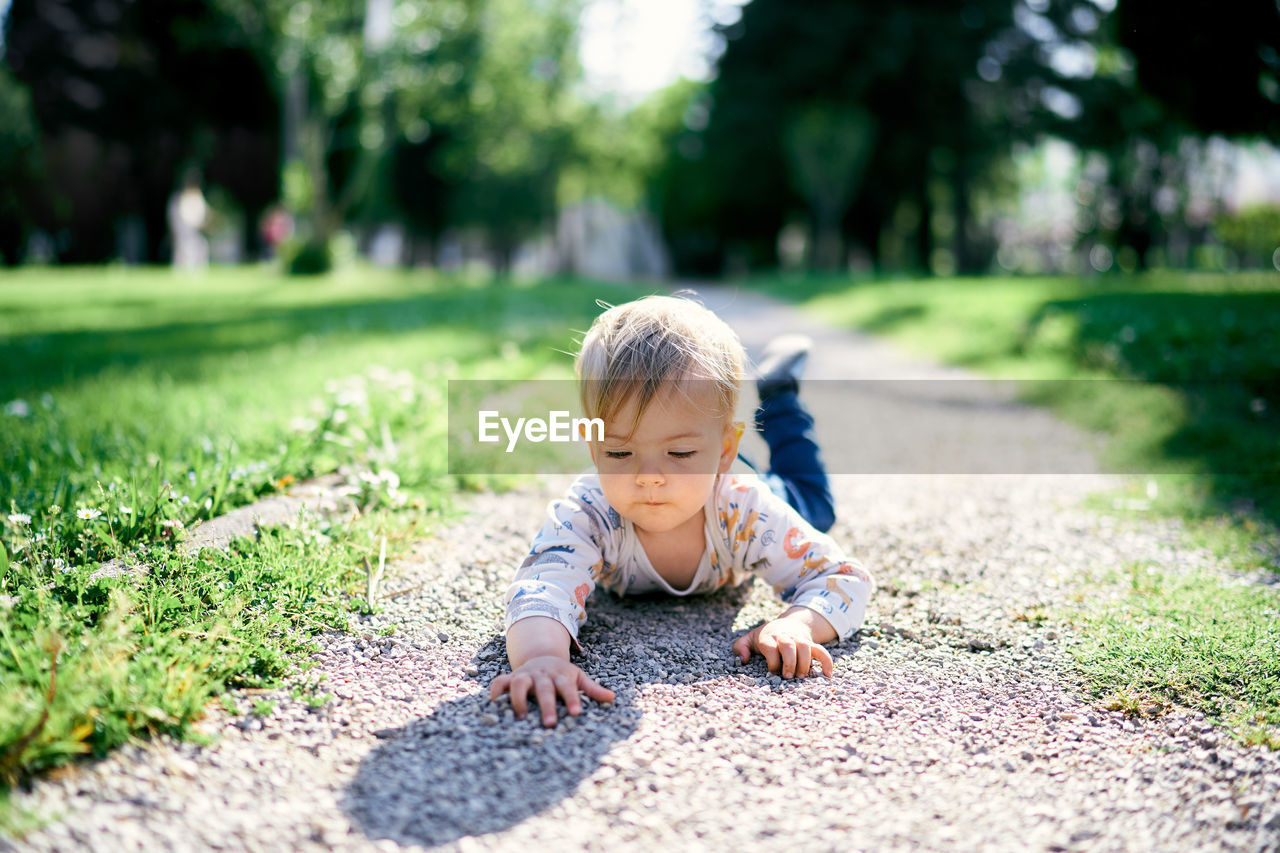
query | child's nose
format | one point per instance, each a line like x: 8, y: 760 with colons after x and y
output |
x: 649, y: 478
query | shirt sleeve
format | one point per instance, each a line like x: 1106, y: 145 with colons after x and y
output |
x: 564, y: 561
x: 803, y: 566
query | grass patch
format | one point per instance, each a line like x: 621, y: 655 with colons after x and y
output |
x: 1181, y: 374
x: 138, y: 403
x: 1192, y: 638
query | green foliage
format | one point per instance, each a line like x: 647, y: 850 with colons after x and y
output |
x: 307, y: 257
x: 788, y: 101
x: 475, y: 97
x: 1252, y: 230
x: 20, y: 163
x: 507, y: 150
x: 827, y: 148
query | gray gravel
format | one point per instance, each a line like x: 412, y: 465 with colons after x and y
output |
x: 950, y: 723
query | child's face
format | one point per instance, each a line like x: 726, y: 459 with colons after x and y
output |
x: 661, y: 476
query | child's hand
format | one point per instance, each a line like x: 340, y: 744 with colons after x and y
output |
x: 548, y: 676
x: 786, y: 644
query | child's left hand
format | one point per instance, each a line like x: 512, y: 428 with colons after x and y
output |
x: 786, y: 644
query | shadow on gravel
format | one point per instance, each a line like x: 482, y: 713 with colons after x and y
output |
x: 451, y: 774
x: 468, y: 770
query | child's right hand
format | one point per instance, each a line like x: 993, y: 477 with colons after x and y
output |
x: 548, y: 676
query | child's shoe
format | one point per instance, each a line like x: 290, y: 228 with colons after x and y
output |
x: 781, y: 365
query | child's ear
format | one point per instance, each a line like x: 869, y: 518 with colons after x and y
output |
x: 729, y: 450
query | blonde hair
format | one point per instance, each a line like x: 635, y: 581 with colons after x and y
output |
x: 639, y: 347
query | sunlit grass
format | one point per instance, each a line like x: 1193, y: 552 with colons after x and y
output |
x: 138, y: 403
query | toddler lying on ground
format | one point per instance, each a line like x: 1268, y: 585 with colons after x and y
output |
x: 663, y: 513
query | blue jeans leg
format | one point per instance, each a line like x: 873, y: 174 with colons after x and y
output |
x: 796, y: 472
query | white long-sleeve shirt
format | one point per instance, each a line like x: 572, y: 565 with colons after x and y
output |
x: 748, y: 529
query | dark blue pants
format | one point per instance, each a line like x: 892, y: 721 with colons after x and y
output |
x: 796, y: 472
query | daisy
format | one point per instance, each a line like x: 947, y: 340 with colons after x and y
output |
x: 19, y: 519
x: 88, y: 514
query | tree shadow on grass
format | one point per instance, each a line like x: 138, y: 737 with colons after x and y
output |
x: 1212, y: 362
x: 456, y: 773
x: 43, y: 361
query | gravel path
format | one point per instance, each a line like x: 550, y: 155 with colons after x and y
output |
x: 950, y: 723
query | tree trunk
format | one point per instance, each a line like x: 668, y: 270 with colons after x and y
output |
x: 828, y: 241
x: 966, y: 263
x: 924, y: 231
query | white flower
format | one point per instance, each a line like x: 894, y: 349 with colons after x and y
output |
x: 126, y: 510
x: 17, y: 408
x: 19, y: 519
x: 88, y: 514
x: 171, y: 523
x: 357, y: 397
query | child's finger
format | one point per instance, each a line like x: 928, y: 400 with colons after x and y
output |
x: 568, y: 689
x: 499, y: 686
x: 787, y: 650
x: 742, y: 646
x: 545, y: 690
x: 804, y: 660
x: 596, y: 691
x: 824, y: 658
x: 768, y: 649
x: 519, y: 686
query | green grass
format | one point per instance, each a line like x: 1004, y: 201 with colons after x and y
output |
x: 1192, y: 637
x: 1181, y: 373
x: 138, y: 403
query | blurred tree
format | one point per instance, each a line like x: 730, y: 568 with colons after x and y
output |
x: 339, y: 72
x: 125, y: 93
x: 1219, y: 72
x: 1076, y: 67
x: 494, y: 147
x: 508, y: 150
x: 468, y: 96
x: 1253, y: 233
x: 795, y: 80
x: 679, y: 188
x: 20, y: 168
x: 827, y: 149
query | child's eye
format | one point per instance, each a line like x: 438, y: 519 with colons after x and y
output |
x: 617, y: 454
x: 683, y: 454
